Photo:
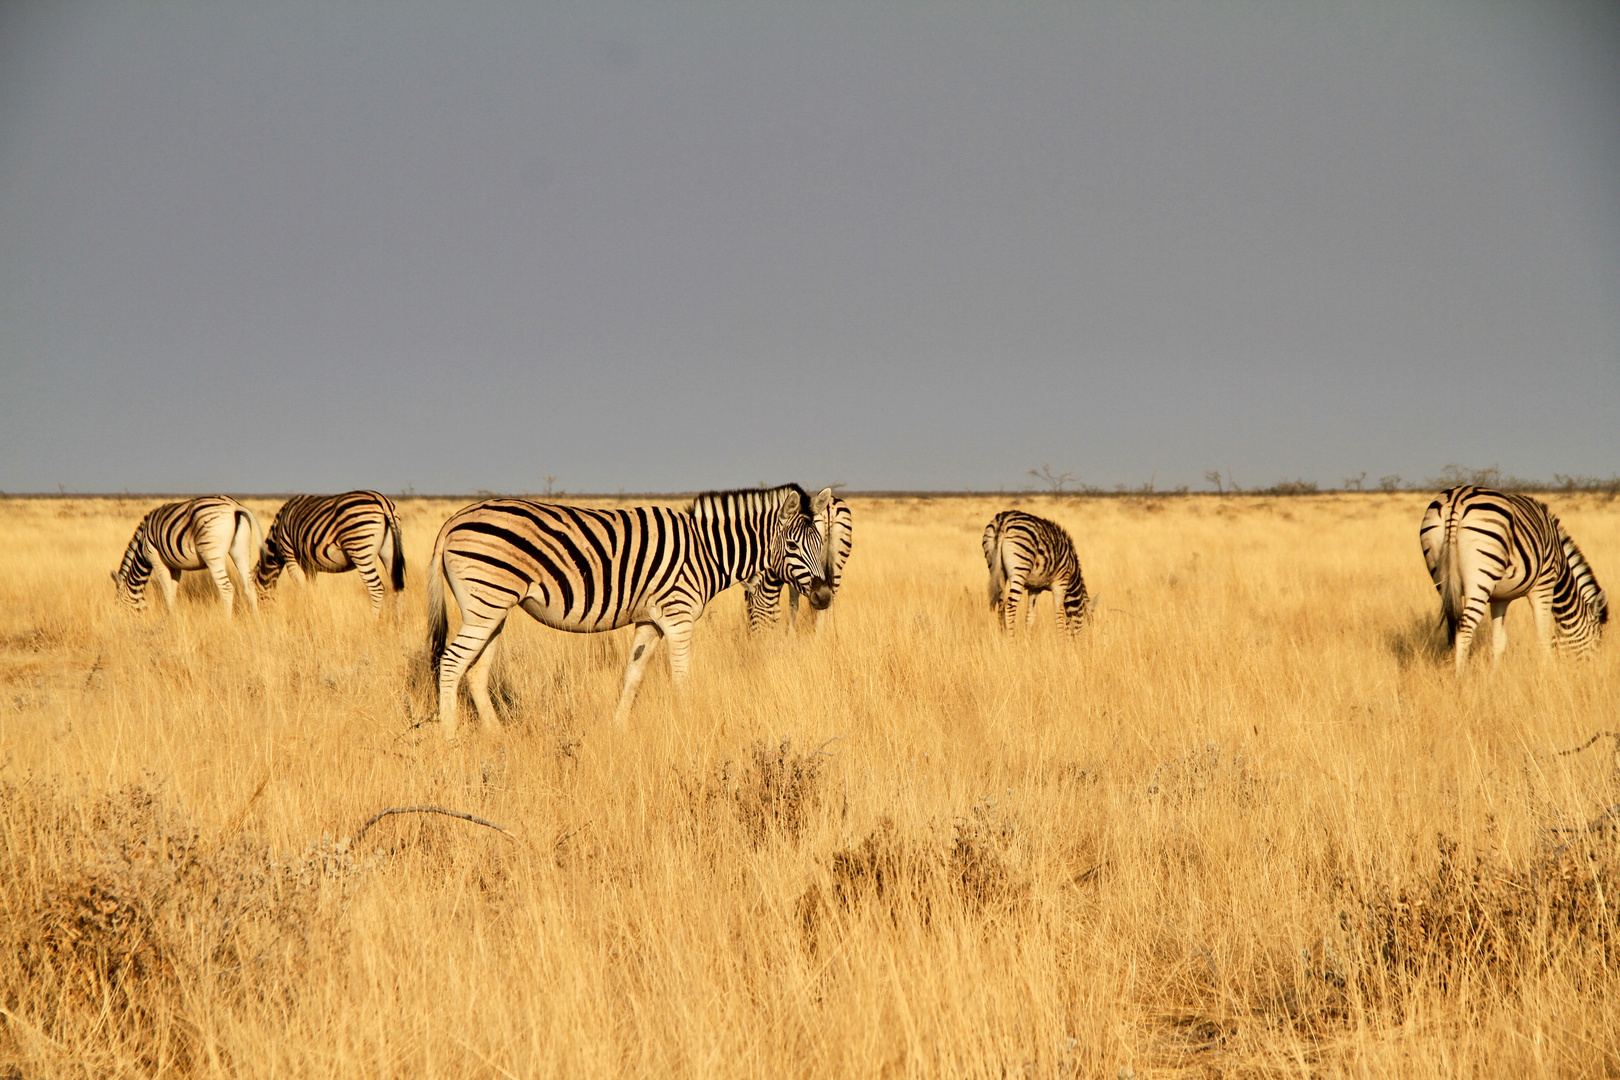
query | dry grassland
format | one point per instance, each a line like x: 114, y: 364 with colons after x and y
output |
x: 1247, y: 825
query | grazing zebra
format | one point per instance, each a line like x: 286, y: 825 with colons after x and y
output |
x: 199, y: 534
x: 763, y: 591
x: 1485, y: 547
x: 358, y: 530
x: 1029, y: 554
x: 588, y: 570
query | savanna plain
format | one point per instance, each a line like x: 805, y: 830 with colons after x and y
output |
x: 1246, y: 824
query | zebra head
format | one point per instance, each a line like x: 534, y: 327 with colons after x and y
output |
x: 804, y: 561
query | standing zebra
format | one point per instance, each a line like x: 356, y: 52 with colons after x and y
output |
x: 1486, y: 547
x: 198, y: 534
x: 763, y: 592
x: 1029, y: 554
x: 358, y: 530
x: 588, y: 570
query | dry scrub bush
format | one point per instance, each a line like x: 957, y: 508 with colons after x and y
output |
x: 129, y: 931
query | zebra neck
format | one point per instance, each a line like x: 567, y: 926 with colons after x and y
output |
x: 742, y: 531
x: 134, y: 570
x: 270, y: 561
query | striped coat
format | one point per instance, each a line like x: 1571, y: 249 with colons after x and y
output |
x: 1486, y: 548
x: 358, y: 530
x: 1029, y: 555
x: 200, y: 534
x: 763, y: 592
x: 588, y: 571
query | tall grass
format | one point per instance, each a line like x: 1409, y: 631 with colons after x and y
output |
x: 1247, y: 825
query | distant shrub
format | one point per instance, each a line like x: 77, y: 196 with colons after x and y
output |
x: 1290, y: 487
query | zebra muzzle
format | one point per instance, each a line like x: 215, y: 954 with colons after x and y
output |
x: 820, y: 594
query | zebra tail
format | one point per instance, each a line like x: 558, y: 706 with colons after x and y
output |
x: 398, y: 568
x: 998, y: 579
x: 438, y: 618
x: 1451, y: 585
x: 256, y: 539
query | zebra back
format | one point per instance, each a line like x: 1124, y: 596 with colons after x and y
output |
x: 174, y: 533
x: 331, y: 533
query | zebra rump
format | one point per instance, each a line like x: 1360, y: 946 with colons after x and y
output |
x: 1486, y: 548
x: 334, y: 534
x: 1026, y: 554
x: 209, y: 533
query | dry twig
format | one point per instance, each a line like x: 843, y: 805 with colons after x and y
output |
x: 360, y: 832
x: 1615, y: 735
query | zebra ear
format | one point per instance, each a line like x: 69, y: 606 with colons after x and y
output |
x: 792, y: 507
x: 820, y: 502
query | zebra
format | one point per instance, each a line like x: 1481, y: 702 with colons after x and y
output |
x: 587, y: 571
x: 358, y: 530
x: 763, y: 592
x: 1029, y: 554
x: 197, y: 534
x: 1487, y: 547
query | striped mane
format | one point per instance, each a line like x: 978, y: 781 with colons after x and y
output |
x: 1586, y: 582
x: 714, y: 505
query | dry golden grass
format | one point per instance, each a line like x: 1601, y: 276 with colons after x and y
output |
x: 1247, y: 825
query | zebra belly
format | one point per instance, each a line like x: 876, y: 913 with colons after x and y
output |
x: 1037, y: 580
x: 333, y: 560
x: 552, y: 614
x: 1506, y: 582
x: 185, y: 558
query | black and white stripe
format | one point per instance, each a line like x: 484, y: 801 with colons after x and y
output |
x: 198, y: 534
x: 763, y: 592
x: 1487, y: 548
x: 1028, y: 554
x: 588, y: 570
x: 331, y: 534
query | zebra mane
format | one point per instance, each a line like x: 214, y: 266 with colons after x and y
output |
x: 717, y: 504
x: 134, y: 554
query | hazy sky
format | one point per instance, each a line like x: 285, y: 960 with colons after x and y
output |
x: 268, y: 247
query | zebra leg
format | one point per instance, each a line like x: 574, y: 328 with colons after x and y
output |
x: 1541, y: 610
x: 370, y: 570
x: 793, y: 609
x: 222, y: 582
x: 1498, y: 630
x: 1029, y: 612
x: 1467, y: 622
x: 1060, y: 593
x: 478, y: 678
x: 166, y: 580
x: 469, y: 645
x: 641, y: 650
x: 1012, y: 594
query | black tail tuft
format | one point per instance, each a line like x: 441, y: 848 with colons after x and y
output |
x: 399, y: 554
x: 438, y: 618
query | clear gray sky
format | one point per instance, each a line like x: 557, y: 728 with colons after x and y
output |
x: 312, y: 246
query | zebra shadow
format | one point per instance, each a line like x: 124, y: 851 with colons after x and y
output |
x: 1421, y: 640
